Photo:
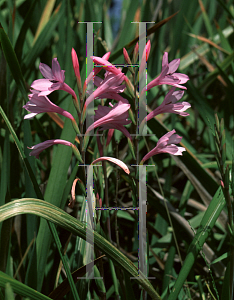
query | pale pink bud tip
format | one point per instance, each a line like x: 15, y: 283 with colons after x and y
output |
x: 147, y: 50
x: 99, y: 200
x: 73, y: 194
x: 126, y: 56
x: 135, y: 53
x: 113, y: 160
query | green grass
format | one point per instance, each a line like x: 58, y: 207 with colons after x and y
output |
x: 190, y: 232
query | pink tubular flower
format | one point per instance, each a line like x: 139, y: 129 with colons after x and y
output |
x: 39, y: 104
x: 166, y: 144
x: 170, y: 105
x: 111, y: 68
x: 37, y: 149
x: 54, y: 80
x: 107, y: 87
x: 97, y: 69
x: 135, y: 53
x: 105, y: 64
x: 168, y: 75
x: 114, y: 117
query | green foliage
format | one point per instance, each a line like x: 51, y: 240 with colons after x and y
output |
x: 190, y: 231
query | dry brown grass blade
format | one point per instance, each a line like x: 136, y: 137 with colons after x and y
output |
x: 157, y: 258
x: 210, y: 67
x: 59, y: 122
x: 202, y: 6
x: 64, y: 287
x: 45, y: 17
x: 23, y: 258
x: 152, y: 29
x: 203, y: 39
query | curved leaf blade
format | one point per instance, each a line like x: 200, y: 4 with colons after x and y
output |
x: 20, y: 288
x: 59, y: 217
x: 208, y: 221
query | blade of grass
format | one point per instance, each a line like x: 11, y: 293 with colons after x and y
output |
x: 59, y: 217
x: 5, y: 171
x: 21, y: 152
x: 32, y: 221
x: 205, y: 196
x: 226, y: 283
x: 210, y: 68
x: 212, y: 76
x: 223, y: 40
x: 13, y: 63
x: 127, y: 25
x: 229, y: 11
x: 190, y: 58
x: 64, y: 287
x: 206, y: 19
x: 20, y: 288
x: 207, y: 113
x: 9, y: 292
x: 168, y: 271
x: 208, y: 221
x: 21, y: 37
x: 39, y: 195
x: 149, y: 32
x: 44, y: 18
x: 208, y: 41
x: 55, y: 186
x: 180, y: 224
x: 42, y: 40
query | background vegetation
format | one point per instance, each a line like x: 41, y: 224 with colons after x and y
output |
x: 188, y: 221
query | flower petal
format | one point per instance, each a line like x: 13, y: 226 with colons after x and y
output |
x: 165, y: 59
x: 41, y: 84
x: 56, y: 70
x: 182, y: 77
x: 105, y: 64
x: 37, y: 149
x: 46, y: 71
x: 113, y: 160
x: 173, y: 65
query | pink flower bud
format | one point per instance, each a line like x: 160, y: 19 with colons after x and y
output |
x: 135, y: 53
x: 126, y: 57
x: 76, y: 68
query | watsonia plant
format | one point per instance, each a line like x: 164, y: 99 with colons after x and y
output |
x: 116, y: 140
x: 114, y: 117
